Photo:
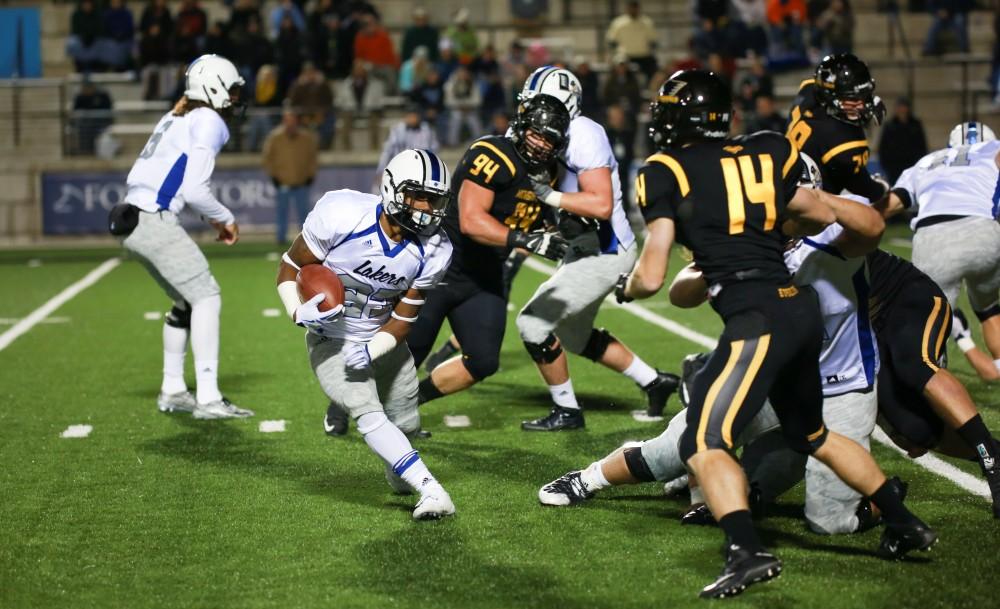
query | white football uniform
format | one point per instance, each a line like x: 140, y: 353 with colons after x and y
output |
x: 568, y: 302
x: 956, y: 192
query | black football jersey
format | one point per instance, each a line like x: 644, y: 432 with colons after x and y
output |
x: 890, y: 275
x: 727, y: 199
x: 493, y: 163
x: 840, y: 149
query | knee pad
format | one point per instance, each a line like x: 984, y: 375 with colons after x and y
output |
x: 597, y: 344
x: 544, y: 352
x: 481, y: 367
x: 637, y: 465
x: 988, y: 312
x: 807, y: 445
x: 179, y: 317
x: 370, y: 421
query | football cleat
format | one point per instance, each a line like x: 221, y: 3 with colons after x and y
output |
x: 176, y: 402
x: 336, y: 422
x: 398, y: 485
x: 419, y: 434
x: 867, y: 518
x: 743, y: 568
x: 691, y: 366
x: 700, y: 515
x: 220, y: 409
x: 434, y: 504
x: 567, y: 489
x: 898, y: 540
x: 659, y: 391
x: 559, y: 418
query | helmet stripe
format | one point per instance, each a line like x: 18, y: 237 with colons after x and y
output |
x: 435, y: 166
x: 538, y: 74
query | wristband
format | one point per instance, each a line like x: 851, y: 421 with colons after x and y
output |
x: 553, y: 198
x: 395, y: 315
x: 412, y: 301
x: 966, y: 344
x: 380, y: 344
x: 289, y: 294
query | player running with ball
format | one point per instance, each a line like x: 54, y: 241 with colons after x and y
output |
x: 388, y: 253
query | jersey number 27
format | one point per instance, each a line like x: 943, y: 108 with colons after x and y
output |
x: 743, y: 185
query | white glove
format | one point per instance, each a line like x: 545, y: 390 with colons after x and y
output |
x: 544, y: 191
x: 357, y: 356
x: 310, y: 317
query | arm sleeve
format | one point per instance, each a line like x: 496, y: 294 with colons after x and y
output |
x: 208, y: 135
x: 655, y: 190
x: 854, y: 175
x: 489, y: 166
x: 435, y: 266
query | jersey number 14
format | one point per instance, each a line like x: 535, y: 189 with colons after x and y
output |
x: 743, y: 187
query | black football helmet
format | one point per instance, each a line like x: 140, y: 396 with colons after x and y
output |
x: 690, y: 105
x: 844, y: 77
x: 548, y: 118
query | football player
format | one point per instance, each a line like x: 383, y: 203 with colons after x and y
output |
x: 725, y: 199
x: 561, y: 313
x: 173, y: 171
x: 497, y: 212
x: 388, y: 252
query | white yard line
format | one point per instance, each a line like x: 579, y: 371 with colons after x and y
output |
x: 56, y: 301
x: 929, y: 462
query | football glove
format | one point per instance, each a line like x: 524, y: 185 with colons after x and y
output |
x: 357, y: 356
x: 572, y: 226
x: 310, y: 317
x: 620, y: 295
x: 542, y: 186
x: 544, y: 243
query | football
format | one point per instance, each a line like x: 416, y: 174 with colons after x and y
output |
x: 315, y: 278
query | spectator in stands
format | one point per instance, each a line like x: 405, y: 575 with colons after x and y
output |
x: 713, y: 10
x: 763, y: 82
x: 590, y: 96
x: 262, y: 114
x: 764, y: 117
x: 290, y: 158
x: 286, y: 8
x: 786, y: 19
x: 447, y: 62
x: 420, y: 34
x: 243, y: 11
x: 86, y: 28
x: 119, y: 30
x: 360, y: 95
x: 708, y: 40
x: 91, y: 115
x: 499, y: 123
x: 633, y: 35
x: 486, y: 63
x: 373, y: 46
x: 312, y: 98
x: 494, y: 96
x: 218, y: 41
x: 462, y: 99
x: 189, y: 32
x: 948, y: 15
x: 250, y: 50
x: 154, y: 57
x: 464, y: 39
x: 430, y: 97
x: 414, y: 71
x: 749, y: 31
x: 622, y: 89
x: 512, y: 64
x: 621, y: 135
x: 746, y: 97
x: 156, y: 12
x: 836, y: 24
x: 323, y: 24
x: 902, y: 142
x: 411, y: 132
x: 289, y: 53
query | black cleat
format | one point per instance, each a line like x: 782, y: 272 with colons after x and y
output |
x: 700, y: 515
x: 898, y: 540
x: 559, y: 418
x: 691, y: 366
x: 743, y: 568
x: 659, y: 391
x: 567, y: 489
x: 420, y: 434
x: 443, y: 354
x: 335, y: 423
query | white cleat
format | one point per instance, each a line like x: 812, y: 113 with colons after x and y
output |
x: 433, y: 505
x: 220, y: 409
x: 176, y: 402
x: 399, y: 486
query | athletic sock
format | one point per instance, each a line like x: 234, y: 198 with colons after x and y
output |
x: 739, y: 529
x: 205, y: 347
x: 640, y: 372
x: 563, y: 395
x: 428, y: 391
x: 996, y: 363
x: 392, y: 445
x: 891, y: 505
x: 593, y: 477
x: 975, y: 434
x: 174, y: 349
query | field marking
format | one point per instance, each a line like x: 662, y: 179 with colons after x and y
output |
x: 77, y: 431
x: 9, y: 321
x: 271, y: 313
x: 152, y: 315
x: 271, y: 426
x: 929, y: 462
x: 57, y: 301
x: 457, y: 420
x: 901, y: 242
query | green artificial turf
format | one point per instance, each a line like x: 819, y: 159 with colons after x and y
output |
x: 155, y: 510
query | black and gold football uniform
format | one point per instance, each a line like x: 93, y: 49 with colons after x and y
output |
x: 727, y: 199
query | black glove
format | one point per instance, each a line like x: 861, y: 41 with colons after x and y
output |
x: 620, y: 295
x: 546, y: 244
x: 572, y: 226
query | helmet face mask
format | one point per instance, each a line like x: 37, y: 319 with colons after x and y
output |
x: 540, y: 117
x: 412, y: 199
x: 846, y: 90
x: 690, y: 105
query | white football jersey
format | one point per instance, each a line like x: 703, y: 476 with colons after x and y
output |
x: 849, y: 360
x: 343, y: 231
x: 961, y: 181
x: 175, y: 167
x: 589, y: 148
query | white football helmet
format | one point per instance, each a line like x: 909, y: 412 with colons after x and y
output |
x: 211, y: 79
x: 811, y: 176
x: 969, y: 133
x: 416, y: 174
x: 557, y: 82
